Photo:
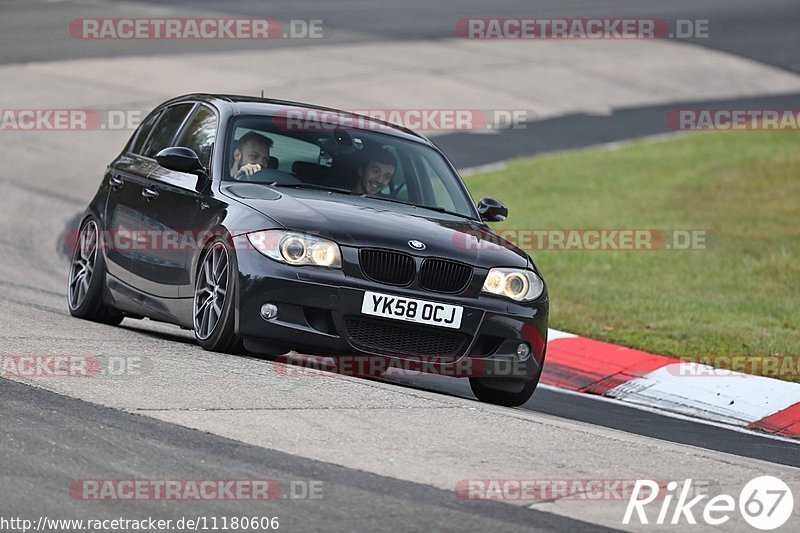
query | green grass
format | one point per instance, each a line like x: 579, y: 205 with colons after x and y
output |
x: 740, y: 296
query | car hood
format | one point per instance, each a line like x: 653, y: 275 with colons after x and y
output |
x: 363, y: 222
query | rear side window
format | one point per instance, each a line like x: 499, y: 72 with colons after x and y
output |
x: 200, y: 134
x: 166, y: 128
x: 144, y: 131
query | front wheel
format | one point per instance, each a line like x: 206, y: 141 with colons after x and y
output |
x: 87, y: 272
x: 505, y: 392
x: 214, y: 297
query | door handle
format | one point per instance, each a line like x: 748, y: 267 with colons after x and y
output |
x: 149, y: 193
x: 116, y: 181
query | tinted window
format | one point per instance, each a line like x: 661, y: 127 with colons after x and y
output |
x: 200, y: 134
x: 144, y: 131
x: 166, y: 128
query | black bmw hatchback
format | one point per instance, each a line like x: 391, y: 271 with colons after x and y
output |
x: 272, y: 226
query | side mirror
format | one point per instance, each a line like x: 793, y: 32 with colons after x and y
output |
x: 182, y: 159
x: 492, y: 210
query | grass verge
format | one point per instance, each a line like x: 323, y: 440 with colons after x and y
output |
x: 740, y: 296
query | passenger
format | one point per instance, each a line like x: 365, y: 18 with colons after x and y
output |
x: 250, y: 155
x: 376, y: 172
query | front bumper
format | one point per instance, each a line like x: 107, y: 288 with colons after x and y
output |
x: 319, y: 312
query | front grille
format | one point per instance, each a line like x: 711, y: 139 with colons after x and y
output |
x: 388, y: 338
x: 387, y: 267
x: 444, y: 276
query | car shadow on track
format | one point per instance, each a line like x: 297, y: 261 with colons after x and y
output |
x: 181, y: 336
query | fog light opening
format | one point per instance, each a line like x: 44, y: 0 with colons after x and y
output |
x: 523, y: 352
x: 269, y: 311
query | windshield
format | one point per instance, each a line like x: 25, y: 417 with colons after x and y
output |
x: 269, y: 150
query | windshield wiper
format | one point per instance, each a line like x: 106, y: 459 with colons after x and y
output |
x: 313, y: 186
x: 430, y: 207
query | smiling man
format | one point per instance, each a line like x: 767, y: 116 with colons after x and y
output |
x: 376, y: 172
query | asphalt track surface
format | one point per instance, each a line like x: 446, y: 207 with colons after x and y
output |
x: 50, y: 439
x: 37, y: 425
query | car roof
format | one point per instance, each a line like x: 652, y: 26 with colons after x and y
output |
x: 247, y: 105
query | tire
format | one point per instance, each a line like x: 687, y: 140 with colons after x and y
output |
x: 265, y: 349
x: 503, y: 392
x: 506, y: 392
x: 87, y: 274
x: 213, y: 307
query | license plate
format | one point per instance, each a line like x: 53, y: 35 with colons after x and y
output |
x: 412, y: 310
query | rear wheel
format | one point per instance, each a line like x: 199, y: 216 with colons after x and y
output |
x: 214, y: 298
x: 87, y: 274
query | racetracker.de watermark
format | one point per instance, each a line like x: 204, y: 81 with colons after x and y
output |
x: 784, y: 367
x: 194, y: 489
x: 581, y: 28
x: 196, y: 29
x: 333, y: 366
x: 42, y: 119
x: 582, y: 239
x: 543, y: 490
x: 72, y: 366
x: 596, y: 240
x: 734, y: 119
x: 417, y: 119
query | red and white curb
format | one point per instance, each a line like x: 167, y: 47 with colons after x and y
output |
x: 668, y: 384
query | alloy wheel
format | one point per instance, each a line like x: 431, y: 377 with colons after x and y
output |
x: 210, y: 291
x: 83, y: 262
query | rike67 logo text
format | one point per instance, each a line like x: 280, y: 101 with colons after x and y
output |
x: 765, y: 503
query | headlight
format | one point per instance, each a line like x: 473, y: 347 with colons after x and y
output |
x: 297, y: 248
x: 520, y: 285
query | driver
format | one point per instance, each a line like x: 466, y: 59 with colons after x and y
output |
x: 250, y: 155
x: 376, y: 172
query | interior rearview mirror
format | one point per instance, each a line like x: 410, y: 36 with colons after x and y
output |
x: 492, y: 210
